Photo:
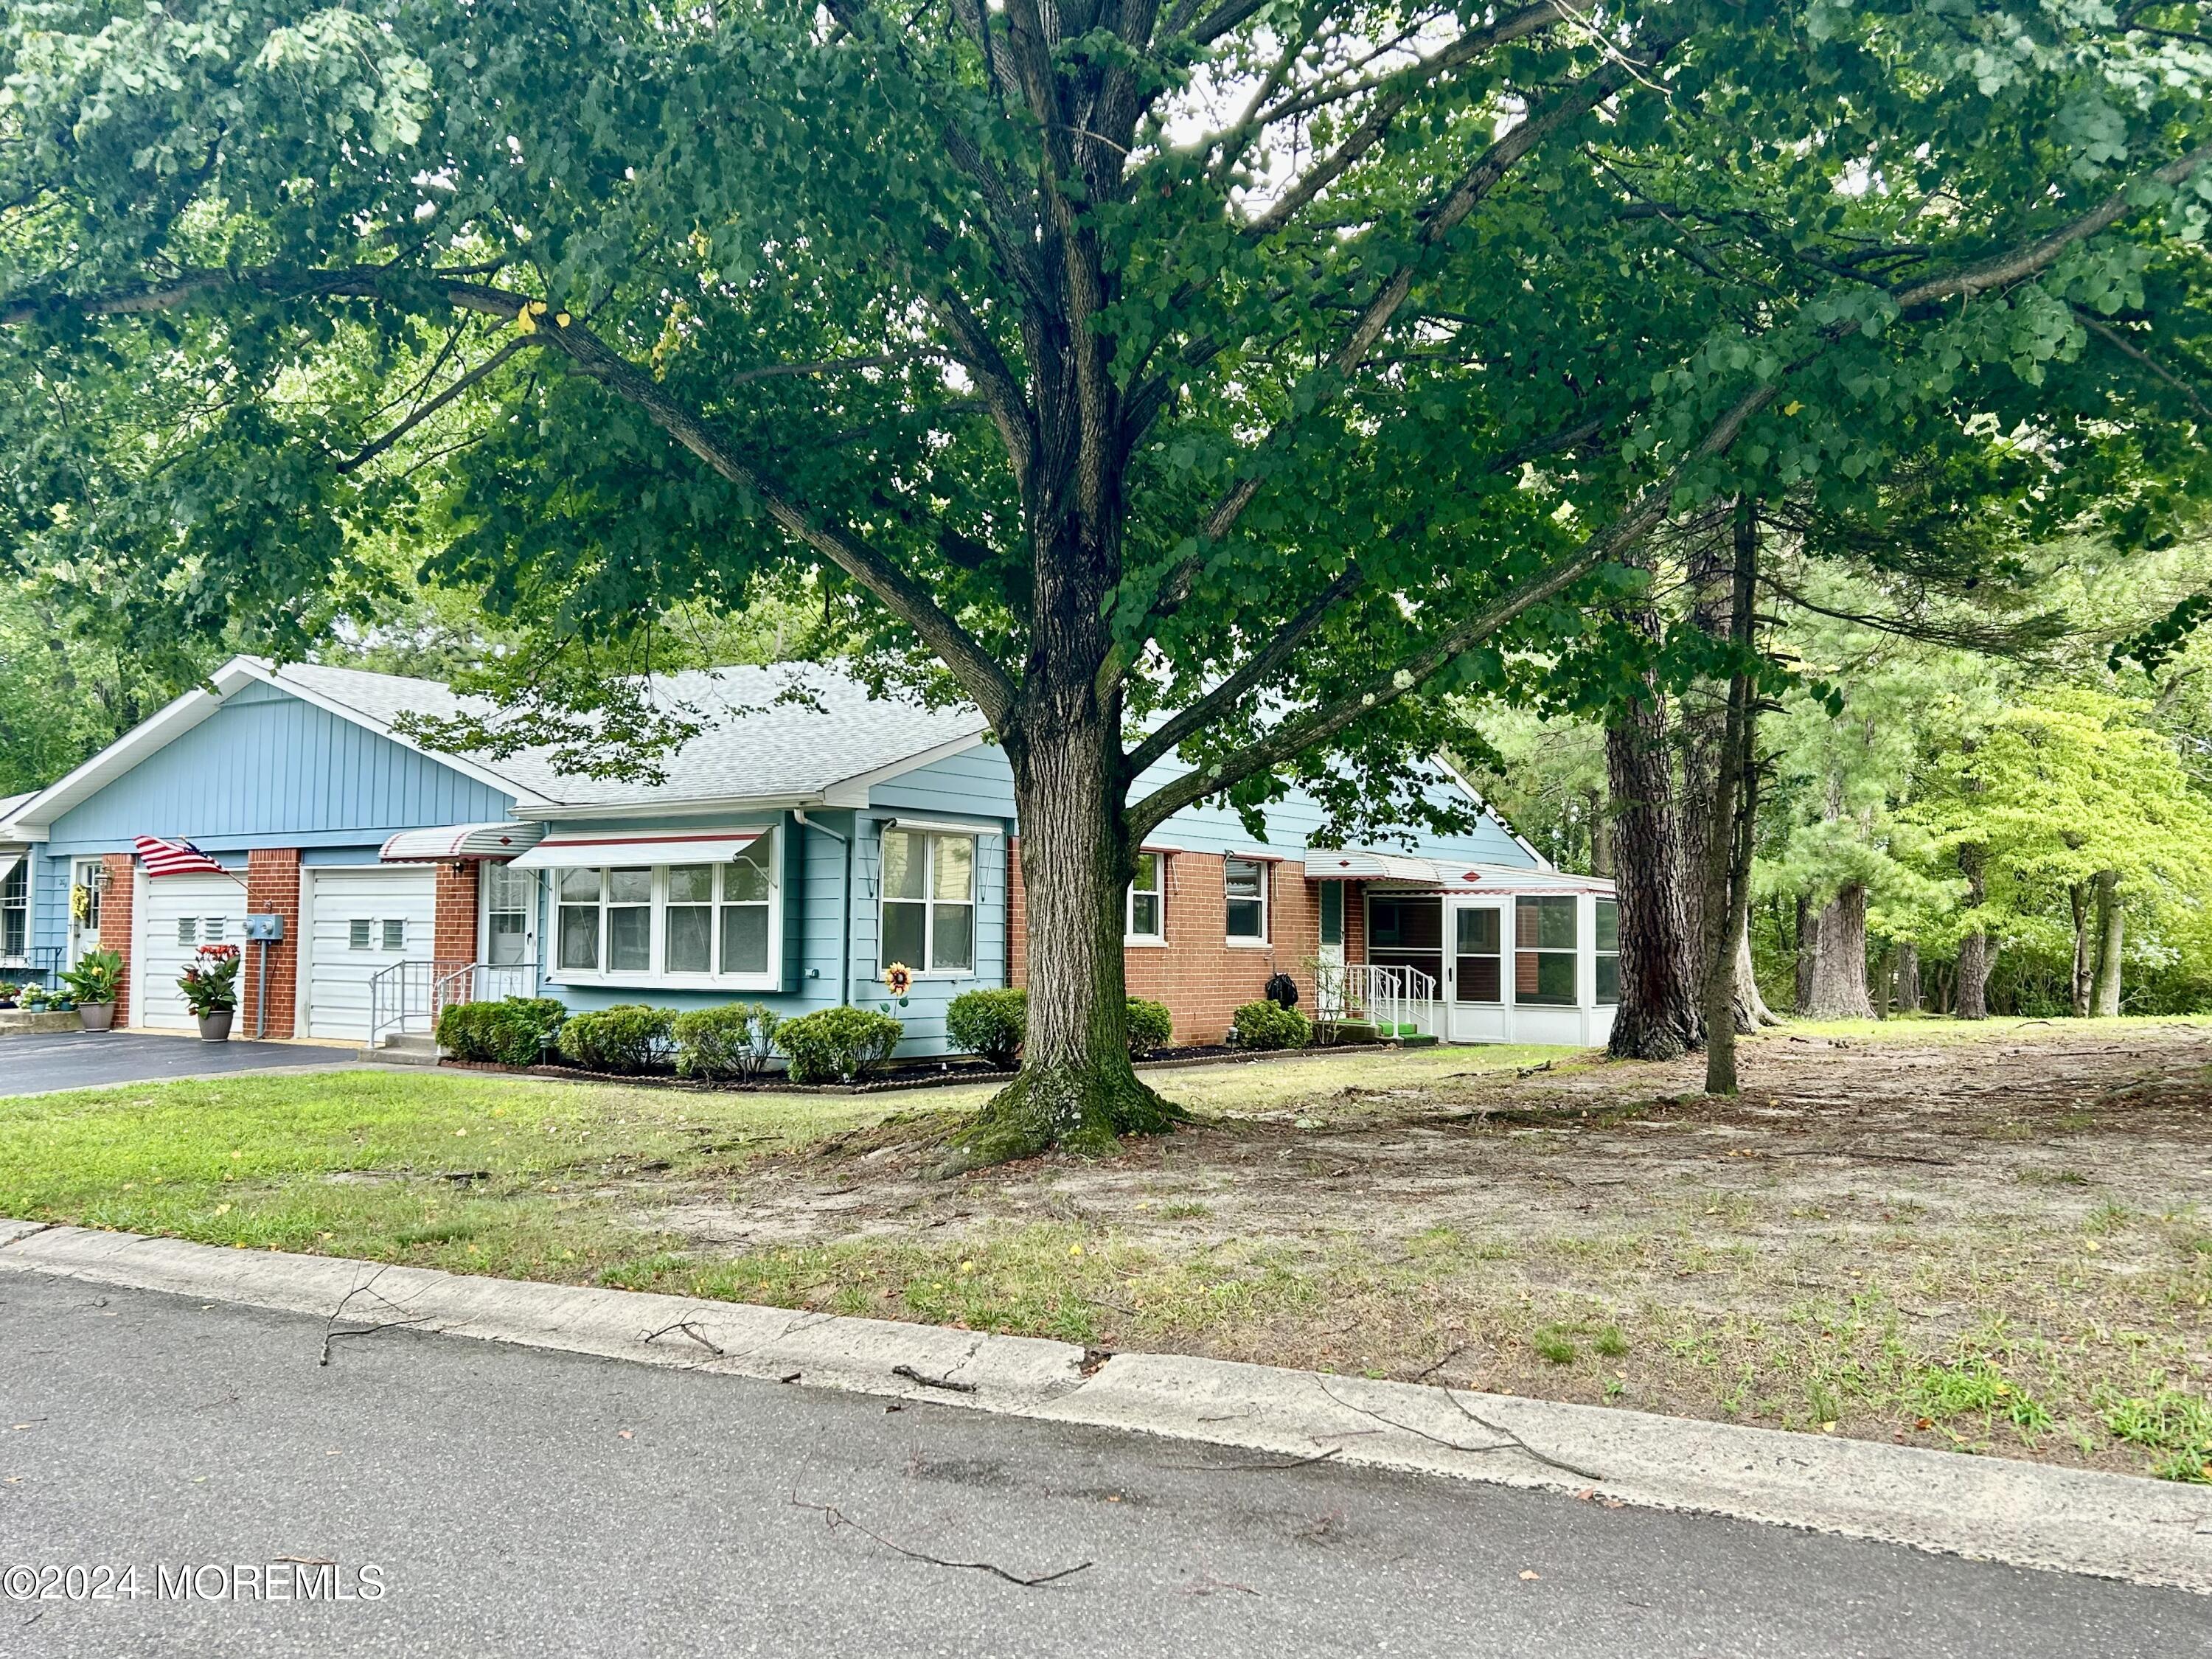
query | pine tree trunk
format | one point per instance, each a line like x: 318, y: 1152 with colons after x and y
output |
x: 1601, y: 835
x: 1839, y: 962
x: 1657, y: 1017
x: 1908, y: 976
x: 1973, y: 975
x: 2111, y: 923
x: 1808, y: 947
x: 2077, y: 898
x: 1751, y: 1013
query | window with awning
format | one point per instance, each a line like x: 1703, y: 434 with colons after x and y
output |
x: 702, y: 910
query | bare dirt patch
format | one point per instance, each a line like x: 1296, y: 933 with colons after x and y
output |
x: 1994, y: 1241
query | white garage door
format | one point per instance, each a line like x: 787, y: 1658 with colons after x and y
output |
x: 359, y: 922
x: 182, y: 914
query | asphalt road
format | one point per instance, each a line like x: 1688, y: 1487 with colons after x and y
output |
x: 508, y: 1501
x: 40, y: 1062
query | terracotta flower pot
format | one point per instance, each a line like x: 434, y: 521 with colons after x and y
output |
x: 216, y: 1027
x: 97, y: 1016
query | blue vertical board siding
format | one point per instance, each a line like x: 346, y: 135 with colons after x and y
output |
x: 269, y: 770
x: 49, y: 897
x: 923, y: 1010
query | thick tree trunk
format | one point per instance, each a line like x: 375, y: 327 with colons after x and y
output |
x: 1839, y: 963
x: 2111, y: 923
x: 1974, y: 953
x: 1076, y: 1089
x: 2077, y: 898
x: 1731, y: 828
x: 1908, y: 976
x: 1657, y: 1017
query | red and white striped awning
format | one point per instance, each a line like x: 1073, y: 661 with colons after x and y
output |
x: 175, y: 858
x: 577, y: 849
x: 449, y: 841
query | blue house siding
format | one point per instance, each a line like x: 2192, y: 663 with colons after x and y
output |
x: 269, y: 770
x: 974, y: 783
x: 1293, y: 821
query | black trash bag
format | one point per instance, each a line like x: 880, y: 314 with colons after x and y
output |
x: 1283, y: 991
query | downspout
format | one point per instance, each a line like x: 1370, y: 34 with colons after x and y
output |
x: 845, y: 924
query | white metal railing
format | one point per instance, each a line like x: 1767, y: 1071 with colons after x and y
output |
x: 408, y: 997
x: 1397, y: 1001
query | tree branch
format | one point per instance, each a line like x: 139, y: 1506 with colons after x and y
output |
x: 1164, y: 740
x: 979, y: 677
x: 480, y: 372
x: 1302, y: 733
x: 1409, y: 83
x: 2127, y: 347
x: 1479, y: 181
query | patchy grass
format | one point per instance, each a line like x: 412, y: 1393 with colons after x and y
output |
x: 466, y: 1171
x: 1989, y: 1240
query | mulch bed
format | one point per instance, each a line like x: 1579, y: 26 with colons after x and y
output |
x: 918, y: 1075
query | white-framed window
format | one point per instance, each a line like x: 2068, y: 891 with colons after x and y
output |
x: 357, y: 935
x: 188, y: 930
x: 1146, y: 922
x: 395, y: 932
x: 667, y: 924
x: 15, y: 910
x: 1545, y: 948
x: 1247, y: 882
x: 928, y: 905
x: 510, y: 914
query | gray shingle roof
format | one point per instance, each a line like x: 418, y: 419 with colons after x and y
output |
x: 753, y: 747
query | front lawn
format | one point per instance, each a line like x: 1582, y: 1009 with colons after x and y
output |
x: 1991, y: 1240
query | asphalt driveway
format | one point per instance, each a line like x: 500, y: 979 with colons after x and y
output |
x: 42, y: 1061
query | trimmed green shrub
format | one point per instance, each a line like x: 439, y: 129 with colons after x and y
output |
x: 1151, y: 1025
x: 627, y: 1037
x: 990, y: 1024
x: 1270, y: 1025
x: 505, y: 1033
x: 729, y: 1043
x: 838, y: 1045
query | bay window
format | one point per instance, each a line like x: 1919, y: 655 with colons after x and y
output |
x: 672, y: 924
x: 929, y: 912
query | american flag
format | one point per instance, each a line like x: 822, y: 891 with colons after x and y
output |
x: 174, y: 858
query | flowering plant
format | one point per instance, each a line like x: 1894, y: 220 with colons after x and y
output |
x: 210, y: 984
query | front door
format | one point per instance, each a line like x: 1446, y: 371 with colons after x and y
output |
x: 88, y: 886
x: 1475, y: 971
x: 1328, y: 953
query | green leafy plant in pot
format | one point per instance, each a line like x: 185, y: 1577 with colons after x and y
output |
x: 210, y: 988
x: 94, y: 982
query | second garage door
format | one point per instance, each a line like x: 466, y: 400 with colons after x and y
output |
x: 359, y: 922
x: 183, y: 912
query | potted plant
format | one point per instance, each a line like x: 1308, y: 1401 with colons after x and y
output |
x: 94, y: 983
x: 7, y: 994
x: 210, y: 988
x: 32, y: 998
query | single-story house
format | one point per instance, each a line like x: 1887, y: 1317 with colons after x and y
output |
x: 808, y: 837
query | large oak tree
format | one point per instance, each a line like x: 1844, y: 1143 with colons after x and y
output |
x: 1203, y: 389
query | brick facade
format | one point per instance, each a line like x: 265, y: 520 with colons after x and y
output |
x: 115, y: 901
x: 272, y: 888
x: 1197, y: 972
x: 454, y: 925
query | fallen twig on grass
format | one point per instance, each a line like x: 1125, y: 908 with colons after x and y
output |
x: 836, y: 1518
x: 688, y: 1327
x: 949, y: 1384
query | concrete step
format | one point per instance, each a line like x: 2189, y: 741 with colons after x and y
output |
x: 403, y: 1051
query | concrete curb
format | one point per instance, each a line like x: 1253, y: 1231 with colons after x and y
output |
x: 1994, y: 1509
